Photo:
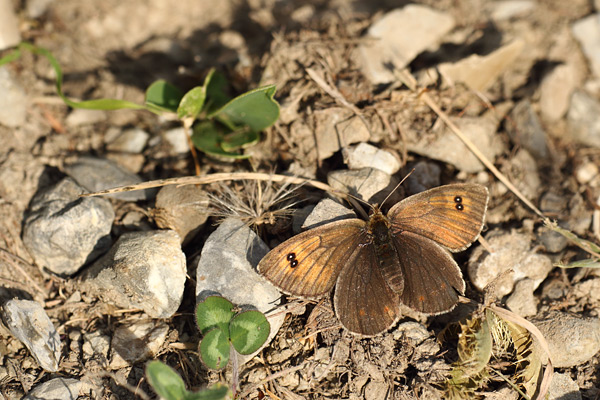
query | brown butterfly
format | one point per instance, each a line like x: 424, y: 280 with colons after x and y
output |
x: 375, y: 265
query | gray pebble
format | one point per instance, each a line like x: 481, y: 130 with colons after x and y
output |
x: 57, y: 388
x: 27, y: 321
x: 97, y: 174
x: 145, y: 270
x: 572, y: 340
x: 62, y: 231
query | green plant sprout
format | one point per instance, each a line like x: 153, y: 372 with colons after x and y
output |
x: 225, y: 331
x: 219, y: 125
x: 168, y: 385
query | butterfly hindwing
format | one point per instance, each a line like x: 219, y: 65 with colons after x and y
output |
x: 364, y: 303
x: 432, y: 279
x: 451, y: 215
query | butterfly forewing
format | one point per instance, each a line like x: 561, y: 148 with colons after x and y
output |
x: 432, y: 278
x: 363, y: 301
x: 451, y: 215
x: 309, y: 264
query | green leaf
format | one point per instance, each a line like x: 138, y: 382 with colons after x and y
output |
x: 216, y: 392
x: 192, y: 102
x: 165, y: 381
x: 215, y: 311
x: 248, y: 331
x: 208, y: 138
x: 239, y: 140
x: 162, y: 96
x: 214, y: 349
x: 255, y: 109
x: 216, y: 90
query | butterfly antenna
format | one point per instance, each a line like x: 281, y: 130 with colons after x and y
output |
x: 397, y: 186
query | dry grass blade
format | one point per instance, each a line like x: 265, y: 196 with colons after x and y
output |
x: 406, y: 78
x: 583, y: 244
x: 220, y: 177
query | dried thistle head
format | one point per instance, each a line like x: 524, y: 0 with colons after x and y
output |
x: 256, y: 203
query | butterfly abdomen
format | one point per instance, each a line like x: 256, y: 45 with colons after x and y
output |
x: 387, y: 258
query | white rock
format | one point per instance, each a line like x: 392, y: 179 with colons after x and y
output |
x: 81, y: 116
x: 587, y: 32
x: 136, y: 342
x: 399, y: 37
x: 144, y: 270
x: 481, y: 72
x: 583, y: 120
x: 502, y: 10
x: 368, y: 184
x: 335, y: 128
x: 586, y: 172
x: 13, y: 99
x: 555, y: 91
x: 27, y: 321
x: 366, y: 155
x: 57, y: 388
x: 446, y: 146
x: 129, y: 141
x: 177, y: 139
x: 509, y: 251
x: 9, y: 25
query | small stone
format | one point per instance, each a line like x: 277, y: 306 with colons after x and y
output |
x: 369, y: 184
x: 334, y: 128
x: 447, y: 147
x: 13, y: 99
x: 555, y: 289
x: 588, y: 290
x: 181, y: 208
x: 583, y: 120
x: 507, y: 9
x: 82, y: 116
x: 413, y: 331
x: 522, y: 301
x: 129, y: 141
x: 37, y: 8
x: 563, y: 387
x: 366, y: 155
x: 481, y: 72
x: 136, y: 342
x: 178, y: 140
x: 552, y: 241
x: 398, y: 37
x: 326, y: 211
x: 10, y: 34
x: 587, y: 32
x: 96, y: 174
x: 426, y: 175
x: 96, y: 344
x: 585, y: 172
x: 144, y: 270
x: 27, y: 321
x: 57, y: 388
x: 556, y: 89
x: 509, y: 251
x: 227, y: 267
x: 376, y: 390
x: 572, y: 340
x: 526, y: 130
x: 63, y: 232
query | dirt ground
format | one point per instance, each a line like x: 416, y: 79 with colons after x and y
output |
x: 115, y: 49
